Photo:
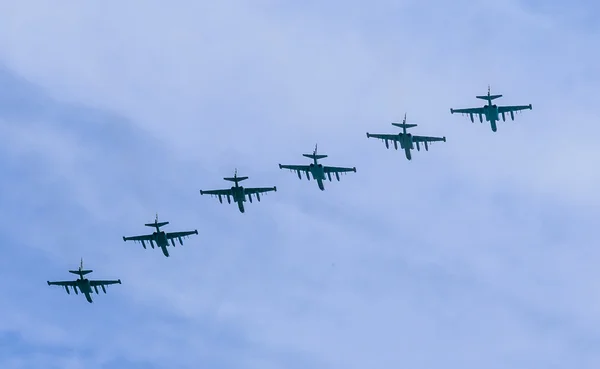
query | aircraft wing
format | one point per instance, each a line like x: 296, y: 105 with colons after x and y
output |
x: 104, y: 283
x: 138, y: 238
x: 338, y: 170
x: 468, y: 111
x: 63, y: 283
x: 223, y: 192
x: 428, y: 139
x: 302, y: 168
x: 180, y: 234
x: 384, y: 136
x: 249, y: 191
x: 507, y: 109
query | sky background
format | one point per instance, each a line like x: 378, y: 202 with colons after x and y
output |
x: 480, y: 253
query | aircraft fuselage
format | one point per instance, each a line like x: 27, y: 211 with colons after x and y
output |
x: 84, y: 286
x: 161, y: 241
x: 491, y: 115
x: 318, y: 174
x: 239, y: 196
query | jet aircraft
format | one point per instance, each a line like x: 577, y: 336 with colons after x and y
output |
x: 406, y: 139
x: 491, y: 111
x: 85, y: 285
x: 317, y: 170
x: 238, y: 192
x: 160, y: 237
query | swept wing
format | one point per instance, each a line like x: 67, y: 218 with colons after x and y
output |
x: 63, y: 283
x: 97, y: 283
x: 507, y: 109
x: 217, y: 192
x: 302, y: 168
x: 468, y: 111
x: 172, y: 235
x: 252, y: 190
x: 390, y: 137
x: 338, y: 170
x: 147, y: 237
x: 427, y: 139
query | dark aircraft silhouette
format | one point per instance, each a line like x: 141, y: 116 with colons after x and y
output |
x: 238, y: 192
x: 85, y: 285
x: 317, y: 170
x: 491, y: 111
x: 406, y: 139
x: 160, y: 237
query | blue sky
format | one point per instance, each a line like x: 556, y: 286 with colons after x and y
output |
x: 479, y: 253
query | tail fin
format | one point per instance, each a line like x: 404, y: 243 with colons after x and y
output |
x: 235, y: 178
x: 156, y: 223
x: 488, y: 96
x: 314, y: 155
x: 81, y: 271
x: 404, y: 125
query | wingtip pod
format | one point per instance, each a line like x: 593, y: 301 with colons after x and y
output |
x: 275, y: 188
x: 444, y: 138
x: 124, y: 238
x: 354, y: 169
x: 280, y: 166
x: 48, y: 282
x: 119, y: 281
x: 368, y: 135
x: 451, y: 111
x: 201, y: 192
x: 196, y: 231
x: 530, y: 107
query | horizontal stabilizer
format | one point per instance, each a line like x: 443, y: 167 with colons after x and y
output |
x: 314, y: 156
x: 404, y: 125
x: 488, y: 97
x: 235, y: 179
x: 80, y: 272
x: 157, y: 224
